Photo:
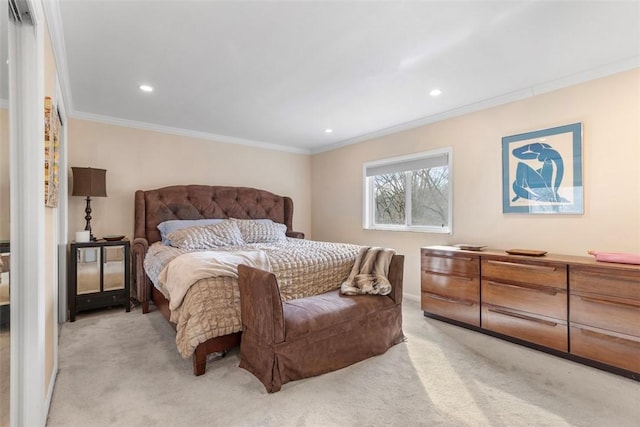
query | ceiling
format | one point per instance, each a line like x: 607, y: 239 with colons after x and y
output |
x: 278, y: 73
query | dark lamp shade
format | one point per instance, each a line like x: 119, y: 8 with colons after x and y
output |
x: 89, y: 182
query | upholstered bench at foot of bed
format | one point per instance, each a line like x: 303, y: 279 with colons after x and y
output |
x: 305, y: 337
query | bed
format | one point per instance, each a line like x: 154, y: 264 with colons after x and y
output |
x: 206, y: 315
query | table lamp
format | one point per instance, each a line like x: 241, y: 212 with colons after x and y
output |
x: 89, y: 182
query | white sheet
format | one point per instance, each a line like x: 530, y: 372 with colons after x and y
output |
x: 185, y: 270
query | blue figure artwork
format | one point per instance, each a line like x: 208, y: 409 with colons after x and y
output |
x: 540, y: 184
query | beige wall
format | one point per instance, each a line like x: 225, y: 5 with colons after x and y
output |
x: 143, y: 160
x: 609, y: 109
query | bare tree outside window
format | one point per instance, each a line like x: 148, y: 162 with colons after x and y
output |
x: 430, y: 196
x: 390, y: 198
x: 409, y: 192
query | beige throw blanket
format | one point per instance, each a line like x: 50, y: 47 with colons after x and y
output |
x: 185, y: 270
x: 369, y: 273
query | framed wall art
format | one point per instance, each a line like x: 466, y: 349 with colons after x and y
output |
x: 52, y: 127
x: 542, y: 171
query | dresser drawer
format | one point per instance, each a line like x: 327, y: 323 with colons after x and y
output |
x: 622, y: 284
x: 462, y: 310
x: 536, y: 329
x: 604, y: 346
x: 606, y: 312
x: 467, y: 288
x: 97, y: 300
x: 526, y: 272
x: 537, y: 299
x: 459, y: 264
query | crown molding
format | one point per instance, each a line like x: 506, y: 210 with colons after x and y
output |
x: 482, y: 105
x: 186, y: 132
x: 588, y: 75
x: 539, y: 89
x: 571, y: 80
x: 56, y: 35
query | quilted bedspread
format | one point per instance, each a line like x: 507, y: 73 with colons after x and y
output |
x: 211, y: 307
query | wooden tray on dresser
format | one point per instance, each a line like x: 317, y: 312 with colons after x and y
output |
x: 527, y: 252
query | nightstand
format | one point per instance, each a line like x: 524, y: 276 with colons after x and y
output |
x: 99, y: 275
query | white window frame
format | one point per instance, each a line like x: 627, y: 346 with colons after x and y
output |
x: 368, y: 217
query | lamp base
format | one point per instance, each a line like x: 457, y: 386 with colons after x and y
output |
x: 87, y: 218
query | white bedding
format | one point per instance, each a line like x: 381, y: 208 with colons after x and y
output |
x: 185, y: 270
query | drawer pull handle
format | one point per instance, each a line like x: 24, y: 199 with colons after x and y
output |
x: 523, y: 317
x: 453, y: 300
x: 527, y: 287
x: 612, y: 338
x: 581, y: 274
x: 529, y: 266
x: 467, y: 278
x: 610, y: 302
x: 448, y: 257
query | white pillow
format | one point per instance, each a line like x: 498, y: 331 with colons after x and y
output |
x: 261, y: 230
x: 167, y: 227
x: 210, y: 236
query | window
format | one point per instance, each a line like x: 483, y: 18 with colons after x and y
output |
x: 411, y: 193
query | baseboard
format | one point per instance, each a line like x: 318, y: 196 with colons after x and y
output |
x: 52, y: 383
x: 411, y: 297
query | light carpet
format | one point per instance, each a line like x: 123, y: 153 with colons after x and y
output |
x: 123, y: 369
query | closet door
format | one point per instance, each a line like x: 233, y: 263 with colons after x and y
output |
x: 25, y: 41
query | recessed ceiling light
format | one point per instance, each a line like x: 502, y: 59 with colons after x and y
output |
x: 146, y: 88
x: 435, y: 92
x: 328, y: 130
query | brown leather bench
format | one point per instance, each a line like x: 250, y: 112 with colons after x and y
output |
x: 301, y: 338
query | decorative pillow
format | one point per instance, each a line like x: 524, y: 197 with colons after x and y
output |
x: 211, y: 236
x: 261, y: 230
x: 167, y: 227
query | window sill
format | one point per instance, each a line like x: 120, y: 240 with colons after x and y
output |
x: 413, y: 228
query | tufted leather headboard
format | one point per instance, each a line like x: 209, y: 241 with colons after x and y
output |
x: 204, y: 201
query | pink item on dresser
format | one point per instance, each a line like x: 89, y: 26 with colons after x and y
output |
x: 620, y: 257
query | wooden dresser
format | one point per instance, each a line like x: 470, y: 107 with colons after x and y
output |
x: 570, y: 306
